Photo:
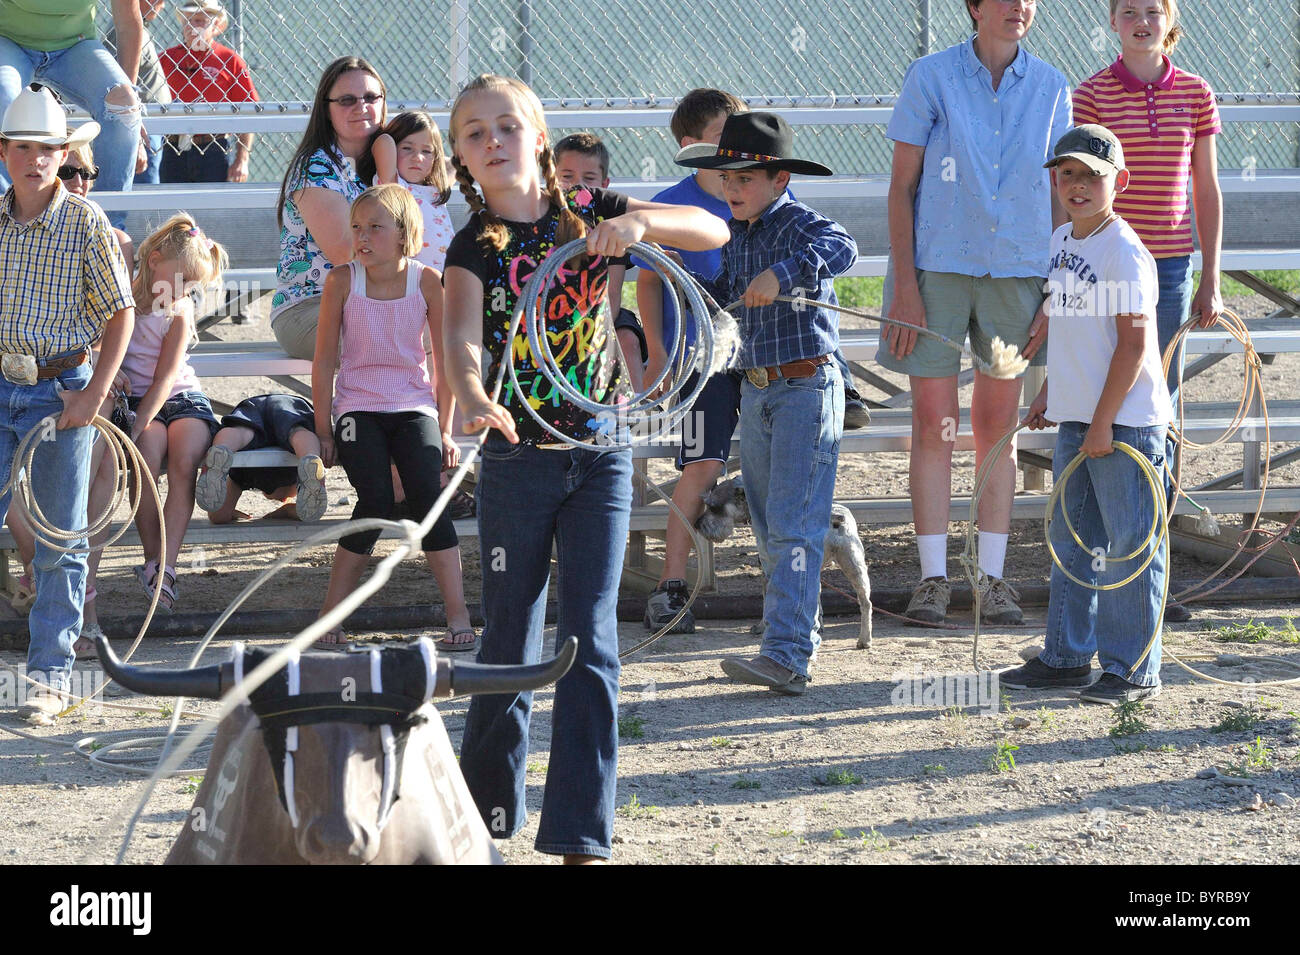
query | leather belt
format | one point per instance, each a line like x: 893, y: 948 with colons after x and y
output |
x: 800, y: 368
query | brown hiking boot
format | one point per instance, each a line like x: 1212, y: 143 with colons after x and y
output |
x: 998, y: 602
x: 929, y: 602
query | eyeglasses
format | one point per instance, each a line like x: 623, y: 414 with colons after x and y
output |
x: 68, y: 173
x: 347, y: 100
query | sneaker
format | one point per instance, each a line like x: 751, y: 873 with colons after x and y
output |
x: 1176, y: 612
x: 856, y: 413
x: 665, y: 603
x: 1113, y: 690
x: 210, y: 489
x: 764, y: 671
x: 1037, y: 675
x: 998, y: 601
x: 312, y: 499
x: 41, y: 706
x: 461, y: 506
x: 929, y: 602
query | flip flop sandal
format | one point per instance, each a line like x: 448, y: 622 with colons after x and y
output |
x: 335, y: 640
x: 24, y: 594
x: 85, y: 648
x: 448, y: 643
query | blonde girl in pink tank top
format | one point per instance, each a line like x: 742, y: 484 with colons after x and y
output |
x: 382, y: 408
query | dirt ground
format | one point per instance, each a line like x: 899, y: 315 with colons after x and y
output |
x: 713, y: 772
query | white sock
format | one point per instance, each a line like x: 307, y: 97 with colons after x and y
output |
x: 934, y: 554
x: 993, y: 552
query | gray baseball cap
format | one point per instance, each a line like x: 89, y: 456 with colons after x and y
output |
x: 1094, y: 146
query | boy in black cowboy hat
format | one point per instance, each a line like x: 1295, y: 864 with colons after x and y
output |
x: 792, y: 401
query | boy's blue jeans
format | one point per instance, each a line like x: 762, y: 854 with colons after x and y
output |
x: 82, y: 73
x: 60, y: 478
x: 580, y: 500
x: 789, y: 446
x: 1109, y: 503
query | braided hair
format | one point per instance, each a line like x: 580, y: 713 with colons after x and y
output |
x: 493, y: 234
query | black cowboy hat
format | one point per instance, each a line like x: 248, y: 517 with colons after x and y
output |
x: 751, y: 141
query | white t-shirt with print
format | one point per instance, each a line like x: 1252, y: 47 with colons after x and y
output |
x: 1090, y: 281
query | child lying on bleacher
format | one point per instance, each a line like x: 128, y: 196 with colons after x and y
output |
x: 265, y: 421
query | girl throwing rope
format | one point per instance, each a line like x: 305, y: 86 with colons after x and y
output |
x: 1106, y: 384
x: 534, y: 491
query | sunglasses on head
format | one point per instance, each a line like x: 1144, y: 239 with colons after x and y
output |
x: 68, y: 173
x: 347, y: 101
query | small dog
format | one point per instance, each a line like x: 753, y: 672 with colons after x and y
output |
x: 725, y: 507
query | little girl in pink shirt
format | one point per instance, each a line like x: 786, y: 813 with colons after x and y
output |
x: 372, y: 320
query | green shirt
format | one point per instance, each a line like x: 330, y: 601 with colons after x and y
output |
x: 47, y: 24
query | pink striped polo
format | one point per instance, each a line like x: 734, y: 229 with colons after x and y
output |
x: 381, y: 350
x: 1157, y: 124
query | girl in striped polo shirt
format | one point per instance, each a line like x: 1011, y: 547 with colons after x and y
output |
x: 1166, y: 120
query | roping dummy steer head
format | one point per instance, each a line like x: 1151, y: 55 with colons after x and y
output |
x: 340, y: 758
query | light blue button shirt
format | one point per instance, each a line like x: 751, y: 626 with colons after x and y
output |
x: 983, y: 204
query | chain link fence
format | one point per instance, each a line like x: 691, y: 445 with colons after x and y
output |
x: 649, y: 52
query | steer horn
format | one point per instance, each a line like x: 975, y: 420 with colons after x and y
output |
x: 201, y: 683
x: 467, y: 678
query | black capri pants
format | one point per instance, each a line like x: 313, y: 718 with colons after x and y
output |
x: 366, y: 442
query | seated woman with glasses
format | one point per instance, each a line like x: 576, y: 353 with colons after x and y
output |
x: 201, y: 70
x: 316, y: 193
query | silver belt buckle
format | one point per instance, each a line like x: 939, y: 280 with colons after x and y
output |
x: 19, y: 369
x: 757, y: 377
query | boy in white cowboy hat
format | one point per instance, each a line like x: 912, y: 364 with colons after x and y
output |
x: 792, y: 401
x: 65, y: 286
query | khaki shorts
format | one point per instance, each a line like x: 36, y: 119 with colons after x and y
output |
x: 295, y: 328
x: 962, y: 305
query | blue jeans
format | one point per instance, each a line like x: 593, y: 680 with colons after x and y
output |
x: 83, y: 73
x: 60, y: 477
x: 1172, y: 309
x: 153, y: 150
x: 1109, y: 503
x: 527, y: 498
x: 789, y: 445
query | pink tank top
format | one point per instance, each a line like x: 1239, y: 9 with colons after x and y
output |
x: 381, y: 350
x: 141, y: 360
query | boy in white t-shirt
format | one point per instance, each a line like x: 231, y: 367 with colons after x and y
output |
x: 1106, y: 384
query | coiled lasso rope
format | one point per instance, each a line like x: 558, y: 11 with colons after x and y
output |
x: 709, y: 351
x: 126, y: 460
x: 1158, y: 532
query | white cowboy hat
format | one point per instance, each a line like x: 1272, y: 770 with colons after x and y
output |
x: 35, y: 116
x: 210, y: 7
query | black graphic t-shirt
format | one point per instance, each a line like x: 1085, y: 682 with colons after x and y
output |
x: 573, y: 309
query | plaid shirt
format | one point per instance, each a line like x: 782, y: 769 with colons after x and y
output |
x: 806, y: 251
x: 62, y: 276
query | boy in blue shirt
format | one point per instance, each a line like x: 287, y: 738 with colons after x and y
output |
x: 792, y: 398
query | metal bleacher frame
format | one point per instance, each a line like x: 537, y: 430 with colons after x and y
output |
x: 1250, y: 220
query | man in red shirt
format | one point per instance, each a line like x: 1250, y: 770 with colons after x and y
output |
x: 200, y: 70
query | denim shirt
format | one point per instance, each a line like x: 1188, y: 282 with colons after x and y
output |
x: 806, y: 251
x: 983, y: 202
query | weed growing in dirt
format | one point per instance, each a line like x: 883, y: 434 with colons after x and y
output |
x: 873, y: 840
x: 95, y: 746
x: 1004, y: 701
x: 1252, y: 632
x: 1128, y: 719
x: 743, y: 783
x: 40, y: 759
x: 635, y: 810
x: 165, y: 710
x: 838, y: 777
x: 957, y: 721
x: 537, y: 767
x: 837, y: 835
x: 1239, y: 721
x: 191, y: 785
x: 631, y: 727
x: 1001, y: 760
x: 1259, y: 759
x: 935, y: 770
x: 781, y: 833
x: 1046, y: 718
x: 719, y: 742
